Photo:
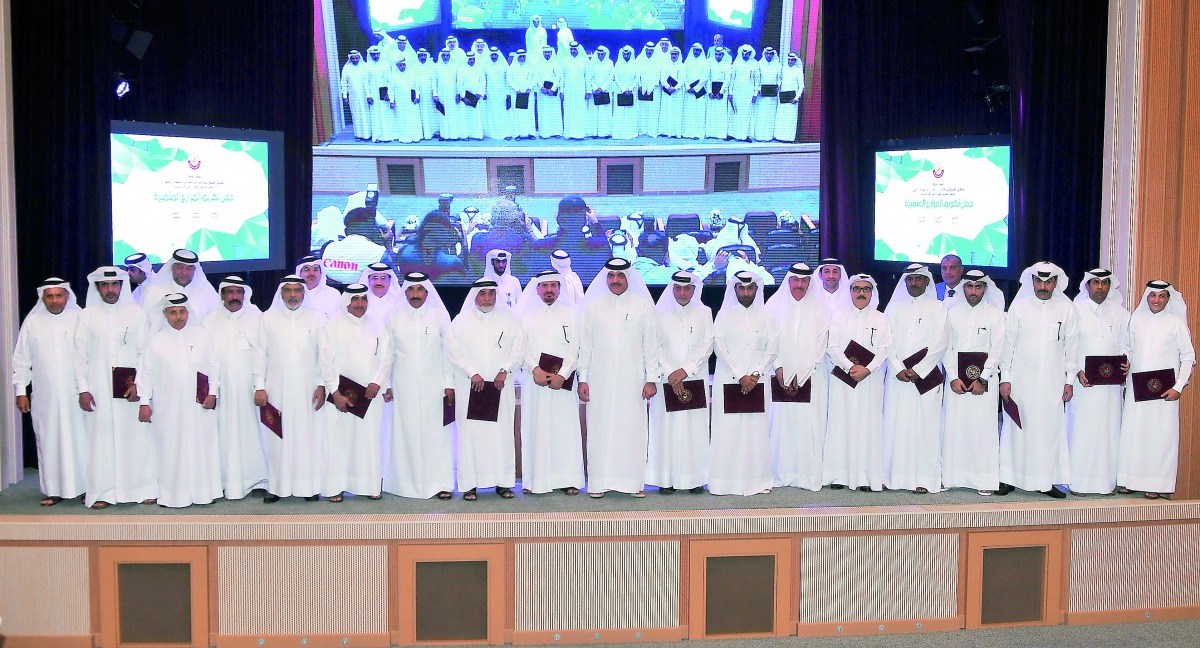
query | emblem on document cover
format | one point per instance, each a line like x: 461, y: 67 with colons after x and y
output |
x: 1106, y: 370
x: 685, y: 396
x: 791, y: 390
x: 270, y: 417
x: 1155, y: 385
x: 973, y: 372
x: 852, y: 360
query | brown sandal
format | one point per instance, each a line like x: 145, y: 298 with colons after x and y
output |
x: 100, y: 506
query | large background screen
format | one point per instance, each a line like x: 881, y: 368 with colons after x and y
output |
x: 210, y: 190
x: 930, y: 202
x: 391, y: 15
x: 735, y: 13
x: 594, y: 14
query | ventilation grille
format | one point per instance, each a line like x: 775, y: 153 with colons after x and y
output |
x: 511, y: 174
x: 402, y: 179
x: 620, y: 180
x: 727, y: 176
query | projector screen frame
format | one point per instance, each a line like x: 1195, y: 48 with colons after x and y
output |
x: 276, y: 257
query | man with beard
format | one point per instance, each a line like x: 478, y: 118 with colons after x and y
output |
x: 403, y: 121
x: 791, y: 87
x: 1094, y: 413
x: 43, y: 356
x: 746, y: 342
x: 970, y: 440
x: 551, y: 437
x: 1038, y: 365
x: 625, y: 89
x: 420, y: 463
x: 287, y: 377
x: 179, y: 411
x: 356, y: 92
x: 949, y: 290
x: 181, y: 273
x: 497, y: 268
x: 618, y: 365
x: 548, y: 77
x: 798, y: 427
x: 911, y: 418
x: 233, y: 333
x: 854, y: 437
x: 141, y: 274
x: 357, y: 348
x: 485, y: 347
x: 575, y: 93
x: 381, y: 281
x: 109, y: 336
x: 832, y: 288
x: 318, y: 295
x: 522, y: 82
x: 677, y: 454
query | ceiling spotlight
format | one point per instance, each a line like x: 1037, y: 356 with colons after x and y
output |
x: 121, y: 85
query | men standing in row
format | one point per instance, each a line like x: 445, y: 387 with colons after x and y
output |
x: 1038, y: 366
x: 618, y: 365
x: 109, y: 337
x: 970, y: 446
x: 43, y: 357
x: 234, y: 328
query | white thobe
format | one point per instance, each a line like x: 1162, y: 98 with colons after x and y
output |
x: 484, y: 344
x: 600, y: 120
x: 787, y: 115
x: 647, y: 111
x: 43, y: 356
x: 355, y: 91
x: 625, y: 118
x: 742, y: 88
x: 551, y: 438
x: 376, y: 78
x: 563, y: 41
x: 445, y: 87
x: 324, y: 299
x: 766, y: 108
x: 405, y: 117
x: 233, y: 337
x: 286, y: 366
x: 496, y: 122
x: 854, y: 435
x: 549, y: 107
x: 419, y: 462
x: 121, y: 463
x: 746, y: 341
x: 521, y: 79
x: 471, y: 79
x: 1148, y: 458
x: 574, y: 86
x: 912, y: 421
x: 798, y: 429
x: 1094, y: 413
x: 694, y: 108
x: 677, y: 455
x: 431, y: 119
x: 970, y: 435
x: 359, y: 349
x: 716, y: 113
x: 187, y: 451
x: 535, y: 40
x: 670, y: 115
x: 508, y: 288
x: 617, y: 357
x: 1040, y: 349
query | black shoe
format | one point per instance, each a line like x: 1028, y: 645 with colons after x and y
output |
x: 259, y: 492
x: 698, y: 490
x: 666, y: 490
x: 1005, y: 489
x: 837, y: 486
x: 313, y: 498
x: 270, y: 499
x: 865, y: 489
x: 1055, y: 493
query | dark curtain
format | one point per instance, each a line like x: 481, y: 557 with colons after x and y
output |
x: 901, y: 73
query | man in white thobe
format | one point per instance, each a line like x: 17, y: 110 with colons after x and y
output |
x: 949, y: 289
x: 547, y: 81
x: 182, y: 417
x: 382, y: 291
x: 498, y: 268
x: 181, y: 273
x: 677, y: 454
x: 618, y: 364
x: 43, y: 357
x: 376, y: 82
x: 1038, y: 367
x: 835, y: 285
x: 746, y: 340
x: 565, y: 36
x: 318, y: 295
x: 551, y: 437
x: 233, y: 333
x: 576, y: 93
x: 141, y: 274
x: 601, y: 78
x: 670, y: 81
x: 522, y: 81
x: 695, y: 93
x: 419, y: 462
x: 647, y: 65
x: 560, y: 260
x: 110, y: 334
x: 798, y: 429
x: 970, y: 436
x: 535, y: 36
x: 496, y: 105
x: 625, y: 89
x: 357, y: 348
x: 716, y: 113
x: 787, y: 115
x: 445, y: 93
x: 1094, y: 413
x: 486, y: 347
x: 743, y: 89
x: 912, y: 421
x: 287, y: 376
x: 431, y: 119
x: 1158, y: 339
x: 355, y: 92
x: 471, y: 82
x: 854, y: 433
x: 770, y: 77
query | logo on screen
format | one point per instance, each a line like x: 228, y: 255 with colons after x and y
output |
x: 938, y: 171
x: 193, y: 162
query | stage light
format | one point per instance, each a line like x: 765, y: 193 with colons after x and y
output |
x: 121, y: 85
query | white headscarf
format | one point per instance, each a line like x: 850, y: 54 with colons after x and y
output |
x: 186, y: 257
x: 55, y: 282
x: 598, y: 289
x: 421, y: 279
x: 993, y: 295
x: 1044, y: 270
x: 901, y: 290
x: 355, y: 289
x: 874, y: 305
x: 560, y: 260
x: 783, y: 296
x: 530, y: 298
x: 277, y: 302
x: 795, y: 358
x: 140, y: 261
x: 381, y: 268
x: 842, y: 294
x: 173, y: 299
x: 1114, y: 291
x: 489, y: 272
x: 666, y: 301
x: 236, y: 281
x: 480, y: 284
x: 107, y: 273
x: 751, y: 62
x: 1175, y: 306
x: 730, y: 300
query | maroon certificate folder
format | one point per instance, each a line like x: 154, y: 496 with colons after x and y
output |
x: 933, y: 379
x: 201, y: 387
x: 788, y: 394
x: 355, y: 393
x: 447, y: 411
x: 1151, y: 385
x: 484, y: 405
x: 857, y: 354
x: 1105, y: 369
x: 1010, y: 408
x: 122, y: 379
x: 970, y: 366
x: 553, y: 364
x: 738, y: 403
x: 693, y: 398
x: 272, y: 418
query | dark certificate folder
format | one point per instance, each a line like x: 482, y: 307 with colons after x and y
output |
x: 699, y: 93
x: 1010, y: 408
x: 858, y: 355
x: 470, y: 98
x: 553, y: 364
x: 645, y: 96
x: 484, y: 405
x: 693, y: 398
x: 272, y: 418
x: 601, y: 98
x: 412, y: 94
x: 522, y: 102
x: 970, y: 366
x: 123, y: 378
x: 437, y: 103
x: 447, y: 411
x: 738, y: 403
x: 787, y: 96
x: 355, y: 393
x: 625, y: 99
x: 201, y: 387
x: 671, y: 82
x: 928, y: 382
x: 788, y: 394
x: 547, y: 85
x: 1151, y: 385
x: 1105, y: 370
x: 383, y: 94
x: 770, y: 90
x: 715, y: 88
